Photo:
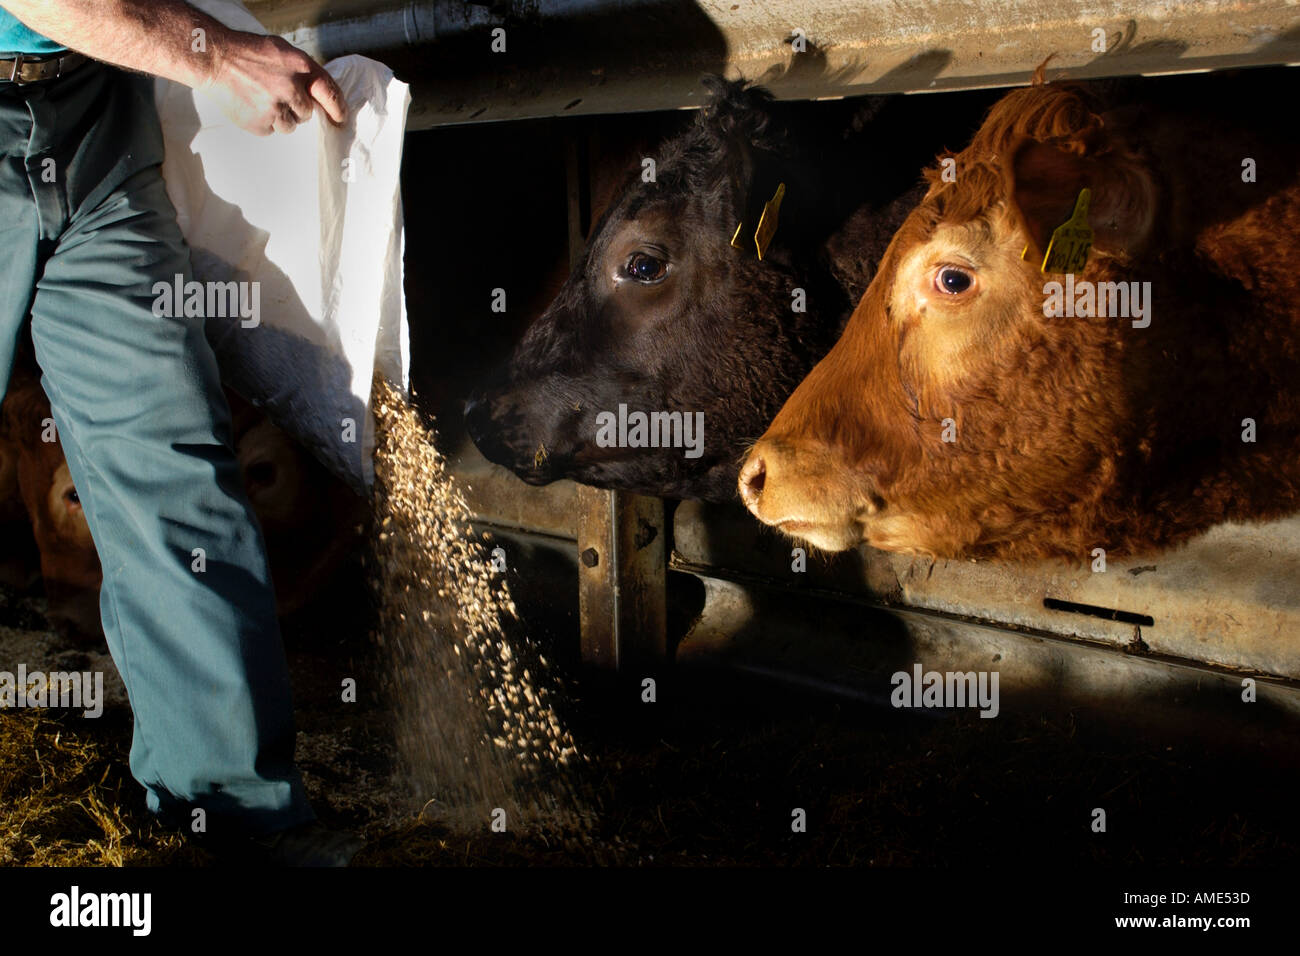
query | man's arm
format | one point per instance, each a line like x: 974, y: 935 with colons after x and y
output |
x: 267, y: 83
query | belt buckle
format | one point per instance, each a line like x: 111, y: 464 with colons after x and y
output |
x: 18, y: 65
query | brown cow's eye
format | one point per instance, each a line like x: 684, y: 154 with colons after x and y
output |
x: 953, y: 281
x: 260, y: 473
x: 647, y: 269
x: 71, y: 497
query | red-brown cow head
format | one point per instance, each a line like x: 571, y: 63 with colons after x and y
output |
x: 309, y: 518
x: 18, y: 557
x: 69, y: 566
x: 954, y: 418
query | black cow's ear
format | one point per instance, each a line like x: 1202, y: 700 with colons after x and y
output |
x: 737, y: 111
x: 738, y: 126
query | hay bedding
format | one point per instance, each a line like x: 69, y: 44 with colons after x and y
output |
x: 465, y: 708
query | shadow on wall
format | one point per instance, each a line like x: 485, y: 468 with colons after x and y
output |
x: 556, y: 58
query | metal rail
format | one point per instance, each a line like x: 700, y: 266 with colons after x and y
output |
x: 1227, y: 600
x: 569, y: 57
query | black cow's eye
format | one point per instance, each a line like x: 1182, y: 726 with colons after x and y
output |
x: 953, y: 281
x: 644, y: 268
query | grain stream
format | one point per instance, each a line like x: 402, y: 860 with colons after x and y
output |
x: 475, y: 726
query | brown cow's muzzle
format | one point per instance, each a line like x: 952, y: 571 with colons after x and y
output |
x: 69, y: 562
x: 795, y: 487
x: 73, y: 609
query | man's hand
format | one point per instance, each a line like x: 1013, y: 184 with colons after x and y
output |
x: 268, y: 85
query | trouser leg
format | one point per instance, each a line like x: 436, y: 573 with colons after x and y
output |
x: 187, y: 605
x: 19, y: 231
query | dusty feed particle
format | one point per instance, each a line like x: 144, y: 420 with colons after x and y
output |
x: 459, y: 699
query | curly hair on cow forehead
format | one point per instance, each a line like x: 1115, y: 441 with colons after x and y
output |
x: 1064, y: 114
x: 714, y: 159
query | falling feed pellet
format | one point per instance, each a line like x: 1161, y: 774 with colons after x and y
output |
x: 475, y: 728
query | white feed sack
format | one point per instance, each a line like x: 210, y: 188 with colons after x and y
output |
x: 312, y: 221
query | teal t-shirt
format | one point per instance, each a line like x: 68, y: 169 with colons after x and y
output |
x: 17, y: 37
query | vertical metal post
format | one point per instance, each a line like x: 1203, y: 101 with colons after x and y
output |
x: 622, y: 566
x: 621, y: 580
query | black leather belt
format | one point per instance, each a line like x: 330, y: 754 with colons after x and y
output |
x: 24, y: 69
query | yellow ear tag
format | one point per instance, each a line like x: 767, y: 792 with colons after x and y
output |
x: 735, y: 237
x: 1072, y: 240
x: 767, y: 222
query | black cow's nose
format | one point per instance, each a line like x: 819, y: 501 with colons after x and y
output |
x: 473, y: 415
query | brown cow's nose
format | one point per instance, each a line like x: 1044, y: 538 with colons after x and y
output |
x: 752, y: 477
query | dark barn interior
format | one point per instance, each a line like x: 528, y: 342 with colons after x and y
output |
x: 772, y: 683
x: 767, y: 710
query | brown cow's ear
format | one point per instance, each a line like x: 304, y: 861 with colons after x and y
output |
x: 1045, y: 181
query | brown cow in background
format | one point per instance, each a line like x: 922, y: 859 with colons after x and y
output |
x: 51, y: 509
x: 956, y: 418
x: 19, y: 560
x: 310, y: 520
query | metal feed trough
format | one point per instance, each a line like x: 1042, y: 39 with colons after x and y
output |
x: 1171, y: 636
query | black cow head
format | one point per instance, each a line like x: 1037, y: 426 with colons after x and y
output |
x: 665, y: 318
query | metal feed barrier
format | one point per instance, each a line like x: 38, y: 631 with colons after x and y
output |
x: 1171, y: 636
